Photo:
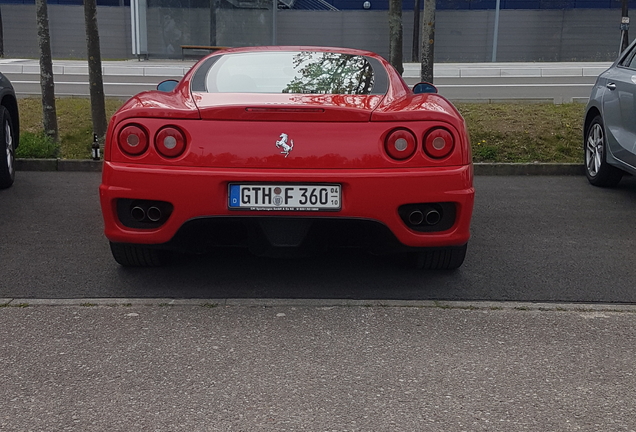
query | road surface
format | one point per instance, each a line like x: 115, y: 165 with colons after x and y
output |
x: 477, y: 82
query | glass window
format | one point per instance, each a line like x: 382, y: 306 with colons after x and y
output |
x: 306, y: 72
x: 632, y: 60
x: 629, y: 61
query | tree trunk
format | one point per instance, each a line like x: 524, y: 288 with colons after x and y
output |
x: 428, y: 41
x: 395, y: 35
x: 95, y: 79
x: 214, y: 5
x: 415, y: 54
x: 625, y: 26
x: 49, y: 115
x: 1, y: 36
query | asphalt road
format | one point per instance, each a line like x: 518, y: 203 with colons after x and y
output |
x: 258, y: 366
x: 553, y: 239
x: 558, y: 89
x: 483, y: 82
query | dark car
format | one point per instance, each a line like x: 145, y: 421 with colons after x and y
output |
x: 9, y: 132
x: 610, y: 123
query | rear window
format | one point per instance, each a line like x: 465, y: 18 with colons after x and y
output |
x: 304, y: 72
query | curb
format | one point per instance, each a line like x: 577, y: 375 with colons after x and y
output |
x: 481, y: 169
x: 320, y: 303
x: 58, y: 165
x: 528, y: 169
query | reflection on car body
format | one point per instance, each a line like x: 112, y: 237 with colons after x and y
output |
x: 286, y: 150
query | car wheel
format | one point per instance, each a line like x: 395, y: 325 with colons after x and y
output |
x: 7, y: 149
x: 130, y: 255
x: 441, y: 258
x: 597, y: 170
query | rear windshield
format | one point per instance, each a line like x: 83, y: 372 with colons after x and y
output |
x: 305, y: 72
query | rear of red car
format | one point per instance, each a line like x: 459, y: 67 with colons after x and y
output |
x: 336, y: 153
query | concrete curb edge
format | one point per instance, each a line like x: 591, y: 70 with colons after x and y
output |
x: 482, y: 169
x: 319, y: 303
x: 58, y: 165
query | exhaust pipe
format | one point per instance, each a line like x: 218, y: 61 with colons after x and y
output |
x: 433, y: 217
x: 138, y: 213
x: 416, y: 217
x: 428, y: 217
x: 154, y: 214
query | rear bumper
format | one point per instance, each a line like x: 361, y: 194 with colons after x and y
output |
x: 370, y: 195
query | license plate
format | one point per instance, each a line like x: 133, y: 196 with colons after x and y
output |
x: 286, y: 197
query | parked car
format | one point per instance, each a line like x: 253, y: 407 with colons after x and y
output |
x: 288, y: 150
x: 9, y: 132
x: 610, y: 123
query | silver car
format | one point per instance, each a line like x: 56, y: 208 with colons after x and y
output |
x: 610, y: 123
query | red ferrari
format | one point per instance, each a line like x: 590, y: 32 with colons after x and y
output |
x: 288, y: 150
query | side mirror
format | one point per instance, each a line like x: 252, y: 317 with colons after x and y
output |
x: 424, y: 87
x: 167, y: 85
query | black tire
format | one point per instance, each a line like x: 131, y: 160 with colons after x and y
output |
x: 597, y: 170
x: 130, y: 255
x: 7, y: 149
x: 449, y: 258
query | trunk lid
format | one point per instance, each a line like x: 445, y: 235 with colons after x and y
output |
x: 286, y: 107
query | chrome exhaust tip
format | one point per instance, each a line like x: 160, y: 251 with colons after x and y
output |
x: 138, y: 213
x: 432, y: 217
x: 154, y: 214
x: 415, y: 217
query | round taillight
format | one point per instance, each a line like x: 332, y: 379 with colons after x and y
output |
x: 170, y: 142
x: 439, y: 143
x: 400, y: 144
x: 133, y: 140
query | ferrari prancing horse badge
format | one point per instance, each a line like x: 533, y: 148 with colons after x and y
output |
x: 282, y: 143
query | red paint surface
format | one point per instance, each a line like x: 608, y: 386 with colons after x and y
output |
x: 337, y: 139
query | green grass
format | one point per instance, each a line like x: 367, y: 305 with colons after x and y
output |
x: 499, y: 132
x: 73, y: 120
x: 36, y: 145
x: 525, y: 132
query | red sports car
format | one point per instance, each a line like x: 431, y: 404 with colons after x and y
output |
x: 288, y: 150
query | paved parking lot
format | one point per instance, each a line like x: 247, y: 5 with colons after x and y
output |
x: 344, y: 342
x: 282, y: 368
x: 534, y: 238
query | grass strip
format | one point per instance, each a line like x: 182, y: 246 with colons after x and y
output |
x: 74, y: 125
x: 522, y: 133
x: 499, y: 132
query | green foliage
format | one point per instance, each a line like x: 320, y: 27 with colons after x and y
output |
x: 74, y: 122
x: 331, y: 73
x: 525, y: 132
x: 36, y: 145
x: 482, y: 151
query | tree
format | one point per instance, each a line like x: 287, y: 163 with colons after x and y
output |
x: 415, y: 53
x: 95, y: 78
x: 624, y: 26
x: 214, y: 6
x: 330, y: 73
x: 49, y: 115
x: 1, y: 36
x: 395, y: 35
x: 428, y: 41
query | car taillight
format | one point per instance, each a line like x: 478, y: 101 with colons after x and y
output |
x: 400, y: 144
x: 133, y: 140
x: 170, y: 142
x: 438, y: 143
